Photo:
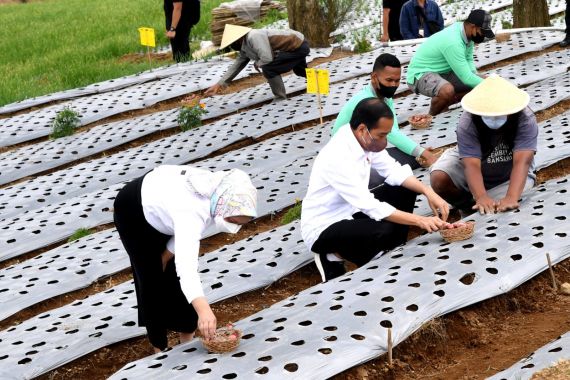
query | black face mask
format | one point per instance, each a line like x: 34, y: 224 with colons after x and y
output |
x: 386, y: 91
x: 478, y: 38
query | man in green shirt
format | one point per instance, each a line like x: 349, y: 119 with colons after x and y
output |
x: 384, y: 81
x: 443, y: 66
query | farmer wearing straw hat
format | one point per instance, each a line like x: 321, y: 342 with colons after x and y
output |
x: 161, y: 218
x: 275, y: 52
x: 493, y: 162
x: 443, y: 67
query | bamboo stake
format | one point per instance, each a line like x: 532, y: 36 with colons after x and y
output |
x: 319, y: 97
x: 554, y: 284
x: 148, y: 54
x: 390, y: 347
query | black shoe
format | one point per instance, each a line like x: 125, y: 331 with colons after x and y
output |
x: 329, y: 269
x: 565, y: 42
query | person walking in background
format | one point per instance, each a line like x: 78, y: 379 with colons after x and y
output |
x: 274, y: 52
x: 443, y: 67
x: 181, y: 16
x: 161, y: 218
x: 420, y: 18
x: 391, y: 20
x: 566, y: 41
x: 493, y: 162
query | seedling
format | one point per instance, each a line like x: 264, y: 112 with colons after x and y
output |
x: 190, y: 117
x: 65, y: 123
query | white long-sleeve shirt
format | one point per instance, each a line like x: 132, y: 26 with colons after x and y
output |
x: 338, y: 187
x: 172, y: 208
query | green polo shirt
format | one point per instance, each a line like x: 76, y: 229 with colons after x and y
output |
x: 395, y: 137
x: 444, y: 52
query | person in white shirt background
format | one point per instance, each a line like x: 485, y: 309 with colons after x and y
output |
x: 341, y: 219
x: 161, y: 218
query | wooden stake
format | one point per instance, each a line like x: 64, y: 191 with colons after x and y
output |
x: 390, y: 346
x: 148, y: 54
x: 554, y: 284
x: 319, y: 97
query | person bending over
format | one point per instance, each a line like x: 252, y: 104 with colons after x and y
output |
x: 274, y: 52
x: 160, y: 218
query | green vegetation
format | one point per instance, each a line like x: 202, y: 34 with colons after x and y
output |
x: 62, y: 44
x: 361, y: 44
x: 272, y: 16
x: 78, y: 234
x: 294, y: 213
x: 64, y: 123
x: 190, y: 117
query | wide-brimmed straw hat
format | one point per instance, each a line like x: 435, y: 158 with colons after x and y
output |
x: 495, y: 96
x: 232, y: 33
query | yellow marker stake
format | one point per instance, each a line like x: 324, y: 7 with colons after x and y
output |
x: 318, y: 83
x: 147, y: 37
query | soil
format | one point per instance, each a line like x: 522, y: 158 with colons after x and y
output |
x: 472, y: 343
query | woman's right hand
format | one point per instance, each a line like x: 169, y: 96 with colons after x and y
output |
x: 207, y: 322
x: 430, y: 223
x: 213, y: 90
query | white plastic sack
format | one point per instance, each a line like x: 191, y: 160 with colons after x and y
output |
x: 249, y: 10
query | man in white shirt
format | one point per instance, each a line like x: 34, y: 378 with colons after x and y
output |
x: 342, y: 220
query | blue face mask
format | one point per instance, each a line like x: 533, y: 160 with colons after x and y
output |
x: 494, y: 122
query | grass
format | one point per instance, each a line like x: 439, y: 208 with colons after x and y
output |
x: 78, y: 234
x: 294, y: 213
x: 63, y: 44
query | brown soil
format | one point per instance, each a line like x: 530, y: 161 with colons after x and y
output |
x: 560, y: 371
x: 472, y: 343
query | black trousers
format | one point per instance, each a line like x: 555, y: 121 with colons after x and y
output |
x: 359, y: 239
x: 161, y: 303
x: 180, y: 44
x: 403, y: 158
x: 567, y: 19
x: 285, y: 61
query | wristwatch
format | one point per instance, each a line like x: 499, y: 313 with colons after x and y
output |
x: 172, y: 29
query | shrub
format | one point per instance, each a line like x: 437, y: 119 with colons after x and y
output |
x: 190, y: 117
x: 64, y: 123
x: 78, y: 234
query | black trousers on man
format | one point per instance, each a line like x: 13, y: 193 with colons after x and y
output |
x: 285, y: 61
x: 567, y: 19
x: 359, y: 239
x: 190, y: 16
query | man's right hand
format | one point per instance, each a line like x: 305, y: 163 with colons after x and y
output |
x: 212, y: 90
x: 430, y: 223
x: 384, y: 38
x: 429, y: 157
x: 485, y: 205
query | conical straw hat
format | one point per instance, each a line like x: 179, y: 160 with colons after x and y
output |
x: 233, y: 33
x: 495, y: 96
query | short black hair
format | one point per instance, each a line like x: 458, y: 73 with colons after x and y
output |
x: 368, y: 111
x: 384, y: 60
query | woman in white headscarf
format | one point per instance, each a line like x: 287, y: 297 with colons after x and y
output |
x: 162, y: 216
